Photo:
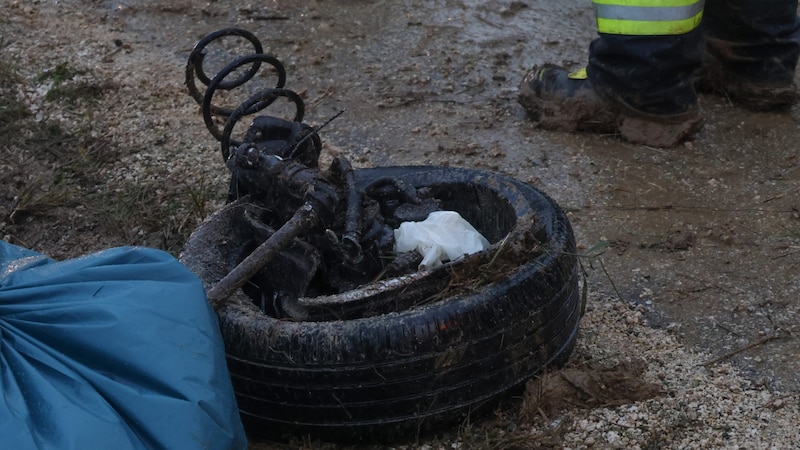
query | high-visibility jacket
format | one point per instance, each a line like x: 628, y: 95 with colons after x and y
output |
x: 648, y: 17
x: 649, y: 51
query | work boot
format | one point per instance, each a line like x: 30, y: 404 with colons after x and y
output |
x: 559, y: 100
x: 764, y: 93
x: 751, y: 52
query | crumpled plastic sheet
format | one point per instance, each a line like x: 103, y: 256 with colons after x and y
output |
x: 114, y: 350
x: 443, y: 236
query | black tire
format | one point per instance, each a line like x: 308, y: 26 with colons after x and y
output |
x: 395, y: 374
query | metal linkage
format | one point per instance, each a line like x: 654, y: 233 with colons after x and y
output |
x: 346, y: 233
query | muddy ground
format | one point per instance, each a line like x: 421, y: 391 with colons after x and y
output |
x: 704, y: 239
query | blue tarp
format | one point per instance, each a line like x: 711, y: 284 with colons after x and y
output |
x: 114, y: 350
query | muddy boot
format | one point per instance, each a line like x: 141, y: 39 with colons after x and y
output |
x: 766, y: 93
x: 751, y: 51
x: 558, y: 100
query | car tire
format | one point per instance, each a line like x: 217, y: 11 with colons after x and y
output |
x: 369, y: 374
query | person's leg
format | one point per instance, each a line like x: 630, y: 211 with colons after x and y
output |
x: 652, y: 74
x: 639, y: 77
x: 752, y: 51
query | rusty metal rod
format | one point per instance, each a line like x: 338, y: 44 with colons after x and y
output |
x: 303, y: 220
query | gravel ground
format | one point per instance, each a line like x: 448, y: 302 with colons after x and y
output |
x: 154, y: 132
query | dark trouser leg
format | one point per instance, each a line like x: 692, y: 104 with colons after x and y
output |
x: 652, y: 74
x: 758, y: 40
x: 640, y: 75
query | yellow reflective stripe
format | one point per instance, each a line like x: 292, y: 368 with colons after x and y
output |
x: 579, y: 74
x: 648, y: 17
x: 649, y: 3
x: 648, y: 28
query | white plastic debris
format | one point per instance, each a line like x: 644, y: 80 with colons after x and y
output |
x: 443, y: 236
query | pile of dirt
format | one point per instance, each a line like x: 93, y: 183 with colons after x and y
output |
x: 589, y: 385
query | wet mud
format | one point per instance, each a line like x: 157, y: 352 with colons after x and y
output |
x: 707, y: 234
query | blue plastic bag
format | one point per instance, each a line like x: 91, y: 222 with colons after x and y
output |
x: 114, y: 350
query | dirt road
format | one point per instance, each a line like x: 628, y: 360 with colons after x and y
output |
x: 703, y: 241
